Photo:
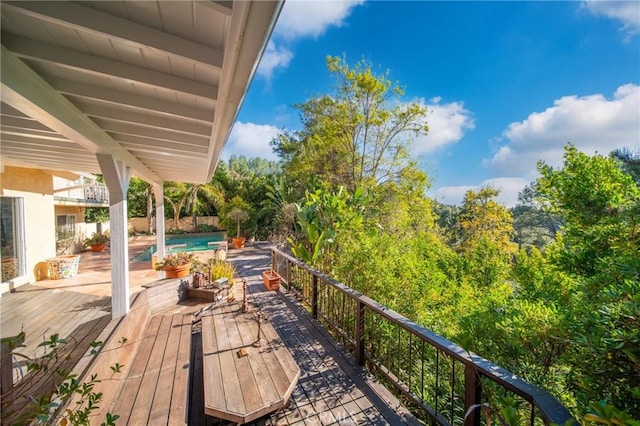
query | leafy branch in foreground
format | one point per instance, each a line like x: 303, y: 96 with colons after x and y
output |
x: 66, y: 388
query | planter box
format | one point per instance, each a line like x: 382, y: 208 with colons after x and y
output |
x: 271, y: 280
x: 176, y: 271
x: 63, y: 266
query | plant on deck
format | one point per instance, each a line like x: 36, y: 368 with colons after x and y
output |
x: 96, y: 239
x: 69, y: 401
x: 173, y: 260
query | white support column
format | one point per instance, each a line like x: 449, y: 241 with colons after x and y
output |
x: 117, y: 175
x: 158, y: 191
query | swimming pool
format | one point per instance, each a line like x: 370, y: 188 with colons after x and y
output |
x: 194, y: 242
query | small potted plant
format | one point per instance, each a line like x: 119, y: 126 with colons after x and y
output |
x: 97, y: 242
x: 176, y: 265
x: 235, y: 213
x: 238, y: 215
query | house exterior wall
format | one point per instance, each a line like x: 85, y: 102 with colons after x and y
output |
x: 35, y: 187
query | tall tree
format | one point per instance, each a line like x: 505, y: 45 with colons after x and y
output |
x: 630, y: 162
x: 600, y: 248
x: 357, y: 135
x: 481, y: 216
x: 534, y: 225
x: 484, y: 231
x: 181, y: 195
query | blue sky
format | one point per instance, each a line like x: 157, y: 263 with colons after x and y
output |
x: 506, y: 83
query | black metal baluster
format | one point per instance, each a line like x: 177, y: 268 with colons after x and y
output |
x: 422, y: 372
x: 437, y: 376
x: 453, y: 385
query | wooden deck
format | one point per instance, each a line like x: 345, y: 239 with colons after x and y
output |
x: 246, y: 375
x: 332, y: 388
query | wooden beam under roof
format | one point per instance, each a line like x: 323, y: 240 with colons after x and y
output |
x: 49, y: 53
x: 27, y: 92
x: 91, y: 91
x: 84, y: 18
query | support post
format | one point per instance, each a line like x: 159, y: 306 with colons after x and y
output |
x: 360, y: 332
x: 472, y: 393
x: 314, y: 296
x: 158, y: 192
x: 117, y: 176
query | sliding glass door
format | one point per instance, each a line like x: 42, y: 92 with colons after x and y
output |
x: 12, y: 237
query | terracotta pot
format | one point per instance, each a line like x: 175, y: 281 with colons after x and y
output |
x: 239, y: 242
x: 271, y: 280
x: 176, y: 271
x: 98, y: 247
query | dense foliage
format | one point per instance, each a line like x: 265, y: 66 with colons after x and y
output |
x: 549, y: 289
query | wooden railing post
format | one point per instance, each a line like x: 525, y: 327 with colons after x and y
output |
x: 360, y: 332
x: 472, y: 392
x: 314, y: 296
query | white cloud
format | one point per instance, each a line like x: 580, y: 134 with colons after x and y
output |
x: 251, y: 140
x: 273, y: 58
x: 299, y: 19
x: 447, y: 124
x: 592, y: 123
x: 509, y: 188
x: 627, y: 12
x: 312, y: 18
x: 450, y: 194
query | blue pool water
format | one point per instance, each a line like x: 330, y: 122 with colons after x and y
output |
x: 194, y: 243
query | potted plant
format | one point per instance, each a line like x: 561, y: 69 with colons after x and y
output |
x: 97, y: 242
x: 238, y: 215
x: 234, y: 213
x: 176, y: 265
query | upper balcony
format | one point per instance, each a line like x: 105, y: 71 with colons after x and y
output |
x: 84, y: 191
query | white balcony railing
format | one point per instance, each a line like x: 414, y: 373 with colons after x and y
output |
x: 83, y: 189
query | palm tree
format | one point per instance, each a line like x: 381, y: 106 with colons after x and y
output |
x: 181, y: 194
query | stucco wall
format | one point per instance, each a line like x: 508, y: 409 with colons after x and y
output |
x: 35, y: 187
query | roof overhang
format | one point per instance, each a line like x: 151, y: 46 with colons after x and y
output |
x: 156, y: 84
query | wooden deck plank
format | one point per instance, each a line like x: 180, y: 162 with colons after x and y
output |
x: 125, y: 400
x: 162, y: 399
x: 180, y: 391
x: 234, y: 402
x: 212, y: 372
x: 260, y: 369
x: 247, y: 380
x: 149, y: 385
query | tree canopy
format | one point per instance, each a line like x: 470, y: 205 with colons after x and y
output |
x: 356, y: 136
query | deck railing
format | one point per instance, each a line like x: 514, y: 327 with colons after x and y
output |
x: 443, y: 383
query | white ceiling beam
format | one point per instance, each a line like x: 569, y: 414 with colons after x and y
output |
x: 117, y: 97
x: 158, y: 122
x: 24, y: 123
x: 224, y: 7
x: 37, y: 149
x: 149, y: 132
x: 20, y: 136
x: 49, y: 53
x: 83, y: 18
x: 9, y: 111
x: 137, y: 142
x: 26, y: 91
